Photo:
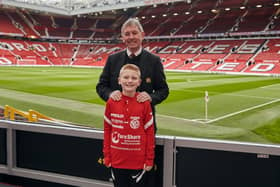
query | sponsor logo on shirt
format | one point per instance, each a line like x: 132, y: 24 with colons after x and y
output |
x: 115, y: 137
x: 125, y: 139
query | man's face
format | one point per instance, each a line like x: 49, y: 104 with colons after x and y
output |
x: 132, y: 37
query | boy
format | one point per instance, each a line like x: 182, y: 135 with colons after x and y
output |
x: 129, y: 140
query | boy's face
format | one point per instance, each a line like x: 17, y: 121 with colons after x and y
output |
x: 129, y: 81
x: 132, y: 37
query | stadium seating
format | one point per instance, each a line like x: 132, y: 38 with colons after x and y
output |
x: 249, y: 24
x: 8, y: 27
x: 231, y: 4
x: 82, y: 34
x: 224, y: 22
x: 220, y: 55
x: 269, y: 52
x: 19, y: 19
x: 181, y: 33
x: 264, y: 68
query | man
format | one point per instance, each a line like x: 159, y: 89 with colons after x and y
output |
x: 153, y: 87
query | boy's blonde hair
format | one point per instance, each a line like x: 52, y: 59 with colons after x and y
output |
x: 131, y: 67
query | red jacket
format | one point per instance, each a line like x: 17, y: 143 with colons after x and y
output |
x: 129, y: 138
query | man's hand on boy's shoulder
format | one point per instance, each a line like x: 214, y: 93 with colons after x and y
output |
x: 143, y: 96
x: 116, y: 95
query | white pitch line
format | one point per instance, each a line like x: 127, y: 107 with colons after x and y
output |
x: 247, y: 96
x: 177, y: 118
x: 245, y: 110
x: 235, y: 95
x: 268, y: 88
x: 271, y: 87
x: 228, y: 115
x: 219, y: 118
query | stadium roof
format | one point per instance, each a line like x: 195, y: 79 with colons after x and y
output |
x: 79, y: 7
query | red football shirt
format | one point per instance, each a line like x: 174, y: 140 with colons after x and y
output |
x: 129, y: 138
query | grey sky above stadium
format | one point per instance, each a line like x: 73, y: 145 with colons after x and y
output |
x: 79, y: 7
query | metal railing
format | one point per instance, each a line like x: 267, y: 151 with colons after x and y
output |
x: 69, y: 155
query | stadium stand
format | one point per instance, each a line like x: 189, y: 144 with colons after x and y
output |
x: 248, y: 24
x: 224, y: 21
x: 7, y: 27
x: 180, y: 55
x: 198, y: 36
x: 24, y: 25
x: 269, y: 52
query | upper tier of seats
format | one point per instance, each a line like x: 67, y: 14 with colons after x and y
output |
x: 170, y: 19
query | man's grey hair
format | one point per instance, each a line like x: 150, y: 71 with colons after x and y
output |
x: 132, y: 22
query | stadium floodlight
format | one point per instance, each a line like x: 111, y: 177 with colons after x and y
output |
x: 214, y: 10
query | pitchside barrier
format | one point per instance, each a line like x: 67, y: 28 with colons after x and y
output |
x: 36, y: 155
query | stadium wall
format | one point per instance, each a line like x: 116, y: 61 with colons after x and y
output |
x: 52, y: 155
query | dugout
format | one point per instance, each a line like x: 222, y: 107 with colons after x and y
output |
x: 62, y: 156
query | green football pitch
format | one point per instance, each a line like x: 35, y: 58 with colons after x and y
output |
x: 241, y: 108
